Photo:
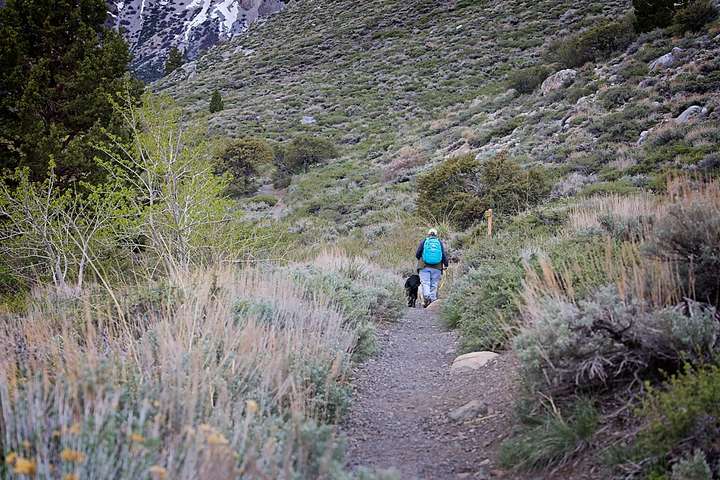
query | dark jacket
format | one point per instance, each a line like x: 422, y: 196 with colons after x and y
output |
x: 419, y: 252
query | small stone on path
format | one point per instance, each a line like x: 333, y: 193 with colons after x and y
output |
x: 470, y: 410
x: 472, y: 361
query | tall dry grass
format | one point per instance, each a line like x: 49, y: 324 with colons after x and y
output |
x: 230, y: 376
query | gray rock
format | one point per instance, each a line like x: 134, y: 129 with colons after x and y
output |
x: 470, y: 410
x: 643, y: 137
x: 558, y: 80
x: 691, y: 113
x: 666, y: 61
x: 308, y: 120
x: 472, y: 361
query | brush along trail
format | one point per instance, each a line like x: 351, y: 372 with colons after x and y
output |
x: 400, y: 414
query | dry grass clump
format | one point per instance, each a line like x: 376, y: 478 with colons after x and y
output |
x: 230, y: 376
x: 406, y: 159
x: 596, y: 213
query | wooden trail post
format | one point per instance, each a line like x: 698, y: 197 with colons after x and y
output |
x: 489, y: 217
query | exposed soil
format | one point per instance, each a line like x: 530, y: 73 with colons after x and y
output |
x: 399, y: 415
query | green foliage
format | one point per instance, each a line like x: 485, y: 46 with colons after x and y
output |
x: 693, y: 16
x: 304, y: 151
x: 596, y: 43
x: 179, y: 202
x: 216, y: 102
x: 652, y: 14
x: 609, y: 340
x: 693, y: 467
x: 60, y: 68
x: 483, y: 305
x: 680, y: 418
x: 526, y: 80
x: 550, y: 438
x: 617, y: 96
x: 689, y: 235
x: 266, y: 199
x: 461, y: 188
x: 242, y: 159
x: 174, y: 61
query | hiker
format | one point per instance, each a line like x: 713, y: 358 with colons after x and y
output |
x: 431, y: 262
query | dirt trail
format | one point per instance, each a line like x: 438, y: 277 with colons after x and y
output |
x: 399, y: 414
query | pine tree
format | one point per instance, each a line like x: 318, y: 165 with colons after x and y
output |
x: 216, y: 102
x: 59, y: 68
x: 174, y: 61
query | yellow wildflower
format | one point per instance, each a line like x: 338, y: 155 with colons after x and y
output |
x: 74, y: 428
x: 158, y: 472
x: 217, y: 439
x: 71, y: 476
x: 24, y: 466
x: 251, y: 406
x: 136, y: 437
x: 68, y: 455
x: 10, y: 458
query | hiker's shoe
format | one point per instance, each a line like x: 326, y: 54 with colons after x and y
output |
x: 427, y: 302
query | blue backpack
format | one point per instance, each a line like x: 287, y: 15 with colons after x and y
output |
x: 432, y: 251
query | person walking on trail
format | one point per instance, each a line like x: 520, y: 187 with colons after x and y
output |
x: 431, y: 263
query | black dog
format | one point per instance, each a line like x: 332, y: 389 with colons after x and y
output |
x: 411, y: 289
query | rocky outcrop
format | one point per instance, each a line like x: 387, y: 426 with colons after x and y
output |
x: 691, y: 113
x: 153, y: 27
x: 558, y: 81
x: 666, y: 61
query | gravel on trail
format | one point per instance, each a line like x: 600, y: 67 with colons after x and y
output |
x: 399, y: 416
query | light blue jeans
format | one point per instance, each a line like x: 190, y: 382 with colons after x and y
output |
x: 430, y: 279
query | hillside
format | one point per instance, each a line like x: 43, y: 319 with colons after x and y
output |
x: 204, y: 279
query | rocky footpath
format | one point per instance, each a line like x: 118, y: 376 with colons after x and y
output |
x: 412, y: 414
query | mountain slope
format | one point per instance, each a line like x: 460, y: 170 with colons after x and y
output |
x: 152, y: 27
x: 366, y: 70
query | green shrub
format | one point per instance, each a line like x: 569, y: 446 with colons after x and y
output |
x: 266, y: 199
x: 483, y: 305
x: 680, y: 418
x: 462, y: 188
x: 304, y: 151
x: 689, y: 235
x: 693, y: 16
x: 243, y: 158
x: 593, y: 44
x: 609, y: 340
x: 692, y: 467
x: 550, y: 439
x: 652, y: 14
x: 526, y: 80
x: 617, y: 96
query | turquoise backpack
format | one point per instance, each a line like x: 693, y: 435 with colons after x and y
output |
x: 432, y: 251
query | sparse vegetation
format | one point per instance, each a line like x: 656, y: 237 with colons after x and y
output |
x: 244, y: 159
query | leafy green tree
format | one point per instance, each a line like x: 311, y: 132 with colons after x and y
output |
x: 216, y: 102
x: 60, y: 66
x: 652, y: 14
x: 243, y: 159
x: 462, y: 188
x: 179, y: 201
x: 306, y: 150
x: 174, y: 61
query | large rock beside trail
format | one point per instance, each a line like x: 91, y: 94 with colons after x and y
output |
x: 691, y: 113
x: 470, y: 410
x: 472, y: 361
x: 666, y: 61
x: 558, y: 80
